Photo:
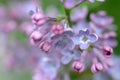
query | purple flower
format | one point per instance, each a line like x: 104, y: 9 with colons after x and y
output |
x: 101, y: 19
x: 63, y: 40
x: 49, y: 65
x: 78, y: 66
x: 109, y: 38
x: 70, y: 3
x: 81, y: 25
x: 79, y: 14
x: 84, y: 39
x: 68, y: 55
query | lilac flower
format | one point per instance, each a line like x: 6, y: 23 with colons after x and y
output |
x: 81, y: 25
x: 69, y: 3
x: 114, y: 71
x: 107, y: 51
x: 84, y: 39
x: 63, y: 40
x: 68, y: 55
x: 49, y: 65
x: 79, y: 14
x: 109, y: 38
x: 101, y: 19
x: 38, y: 18
x: 57, y: 29
x: 78, y: 66
x: 96, y: 66
x: 46, y: 46
x: 35, y: 37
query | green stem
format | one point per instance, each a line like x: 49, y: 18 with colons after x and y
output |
x: 67, y: 12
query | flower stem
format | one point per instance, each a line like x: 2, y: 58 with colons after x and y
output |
x: 67, y: 12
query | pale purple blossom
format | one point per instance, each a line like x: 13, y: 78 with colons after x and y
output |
x: 84, y: 39
x: 79, y: 14
x: 49, y: 65
x: 69, y: 55
x: 81, y: 25
x: 101, y: 19
x: 64, y: 40
x: 109, y: 38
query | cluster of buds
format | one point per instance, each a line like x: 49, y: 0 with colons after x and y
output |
x: 76, y: 42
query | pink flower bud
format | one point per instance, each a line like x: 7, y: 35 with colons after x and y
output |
x: 35, y: 37
x: 78, y: 66
x: 57, y: 29
x: 38, y: 19
x: 109, y: 35
x: 96, y: 67
x: 107, y: 51
x: 45, y: 46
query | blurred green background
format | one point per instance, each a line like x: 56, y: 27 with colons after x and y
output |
x: 112, y: 7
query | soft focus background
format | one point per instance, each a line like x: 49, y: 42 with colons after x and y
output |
x: 112, y: 7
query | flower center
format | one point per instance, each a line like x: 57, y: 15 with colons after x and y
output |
x: 85, y: 39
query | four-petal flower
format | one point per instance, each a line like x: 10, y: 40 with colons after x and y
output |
x: 84, y: 39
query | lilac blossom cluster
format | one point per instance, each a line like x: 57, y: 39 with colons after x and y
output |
x: 85, y: 41
x: 63, y: 40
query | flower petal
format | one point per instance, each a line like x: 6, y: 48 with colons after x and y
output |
x: 76, y: 55
x: 60, y: 45
x: 76, y: 40
x: 69, y: 33
x: 66, y: 59
x: 70, y: 44
x: 93, y: 38
x: 84, y: 45
x: 65, y: 52
x: 55, y: 37
x: 84, y: 32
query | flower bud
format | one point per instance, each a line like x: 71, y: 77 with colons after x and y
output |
x: 45, y: 46
x: 78, y: 66
x: 96, y: 67
x: 38, y: 19
x: 35, y: 37
x: 107, y: 51
x: 57, y: 29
